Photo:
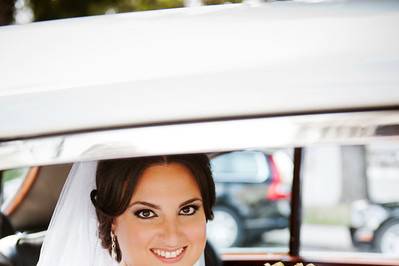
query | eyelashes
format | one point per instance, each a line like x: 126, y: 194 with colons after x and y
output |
x: 145, y: 214
x: 189, y: 210
x: 149, y: 214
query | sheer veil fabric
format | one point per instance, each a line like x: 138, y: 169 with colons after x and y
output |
x: 72, y: 236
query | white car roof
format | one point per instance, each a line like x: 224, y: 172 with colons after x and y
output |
x: 200, y: 63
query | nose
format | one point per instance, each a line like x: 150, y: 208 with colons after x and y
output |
x: 170, y: 232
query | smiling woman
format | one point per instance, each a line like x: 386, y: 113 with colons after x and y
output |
x: 144, y: 211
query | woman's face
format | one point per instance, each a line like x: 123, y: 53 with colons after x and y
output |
x: 165, y: 222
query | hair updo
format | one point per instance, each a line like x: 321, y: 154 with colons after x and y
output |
x: 116, y: 181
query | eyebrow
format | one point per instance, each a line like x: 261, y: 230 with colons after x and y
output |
x: 158, y: 207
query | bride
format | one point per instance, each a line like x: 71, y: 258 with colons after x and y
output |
x: 135, y: 211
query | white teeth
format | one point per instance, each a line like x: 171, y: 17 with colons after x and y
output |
x: 168, y: 254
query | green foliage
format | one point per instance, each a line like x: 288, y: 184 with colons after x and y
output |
x: 218, y: 2
x: 56, y: 9
x: 12, y: 174
x: 141, y: 5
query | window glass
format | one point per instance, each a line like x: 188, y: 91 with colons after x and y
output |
x: 11, y: 181
x: 240, y: 166
x: 350, y: 199
x: 252, y: 207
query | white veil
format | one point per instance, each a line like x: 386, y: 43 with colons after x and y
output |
x: 72, y: 237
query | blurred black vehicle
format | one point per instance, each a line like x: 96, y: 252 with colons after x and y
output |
x: 375, y: 227
x: 251, y: 198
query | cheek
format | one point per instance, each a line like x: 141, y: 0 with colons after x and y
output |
x: 133, y: 239
x: 195, y: 233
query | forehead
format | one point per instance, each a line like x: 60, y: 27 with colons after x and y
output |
x: 164, y: 180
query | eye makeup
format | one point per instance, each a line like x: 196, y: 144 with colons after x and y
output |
x: 189, y: 210
x: 145, y: 214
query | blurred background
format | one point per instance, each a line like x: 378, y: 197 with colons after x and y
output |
x: 25, y: 11
x: 349, y: 192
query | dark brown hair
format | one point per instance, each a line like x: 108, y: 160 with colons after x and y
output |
x: 116, y: 181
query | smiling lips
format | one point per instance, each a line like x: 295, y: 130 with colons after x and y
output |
x: 169, y: 256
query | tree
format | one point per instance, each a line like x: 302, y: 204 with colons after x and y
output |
x: 55, y: 9
x: 7, y: 9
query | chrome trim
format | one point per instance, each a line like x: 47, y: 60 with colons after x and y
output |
x: 273, y: 132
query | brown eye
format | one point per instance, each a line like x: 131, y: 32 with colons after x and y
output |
x: 145, y: 214
x: 188, y: 210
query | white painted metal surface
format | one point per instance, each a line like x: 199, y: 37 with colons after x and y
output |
x: 197, y: 63
x: 276, y: 132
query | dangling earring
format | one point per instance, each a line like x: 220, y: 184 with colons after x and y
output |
x: 113, y: 246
